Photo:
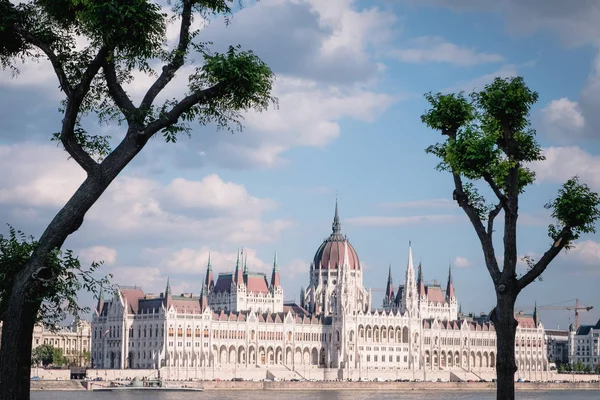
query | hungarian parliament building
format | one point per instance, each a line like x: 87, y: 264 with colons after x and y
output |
x: 240, y: 327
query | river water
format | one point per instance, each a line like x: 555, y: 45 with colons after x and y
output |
x: 314, y: 395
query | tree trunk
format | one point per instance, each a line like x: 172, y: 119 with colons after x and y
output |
x: 506, y: 329
x: 17, y: 337
x: 21, y: 311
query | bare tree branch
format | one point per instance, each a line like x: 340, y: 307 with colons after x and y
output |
x: 117, y: 93
x: 82, y: 89
x: 501, y: 197
x: 549, y: 255
x: 491, y: 217
x: 171, y: 117
x: 488, y: 249
x: 56, y: 64
x: 67, y: 134
x: 169, y: 70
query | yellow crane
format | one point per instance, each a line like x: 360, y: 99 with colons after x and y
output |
x: 573, y: 307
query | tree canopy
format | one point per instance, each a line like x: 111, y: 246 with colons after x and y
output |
x: 95, y: 48
x: 490, y: 142
x: 46, y: 354
x: 59, y: 296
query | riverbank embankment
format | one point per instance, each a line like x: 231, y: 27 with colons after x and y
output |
x: 332, y: 385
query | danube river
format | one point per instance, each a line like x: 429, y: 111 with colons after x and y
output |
x: 315, y: 395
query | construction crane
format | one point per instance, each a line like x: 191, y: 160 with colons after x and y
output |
x: 576, y: 307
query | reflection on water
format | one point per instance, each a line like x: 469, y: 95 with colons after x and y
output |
x: 314, y: 395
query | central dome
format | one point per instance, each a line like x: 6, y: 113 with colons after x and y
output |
x: 330, y: 255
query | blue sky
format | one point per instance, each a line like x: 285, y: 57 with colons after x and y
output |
x: 351, y: 78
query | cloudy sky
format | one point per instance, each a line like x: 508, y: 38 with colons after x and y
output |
x: 350, y: 80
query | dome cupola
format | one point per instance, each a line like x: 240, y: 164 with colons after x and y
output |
x: 330, y: 254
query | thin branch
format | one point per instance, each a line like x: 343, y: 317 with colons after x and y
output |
x: 171, y: 117
x: 488, y: 248
x: 82, y: 89
x: 117, y: 93
x: 169, y: 70
x: 47, y: 50
x: 491, y: 217
x: 501, y: 197
x: 531, y: 275
x: 67, y: 134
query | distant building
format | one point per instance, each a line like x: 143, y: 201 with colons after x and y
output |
x: 74, y: 340
x: 584, y: 346
x: 558, y: 345
x: 240, y: 324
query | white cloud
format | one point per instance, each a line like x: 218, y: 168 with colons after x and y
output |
x: 436, y: 49
x: 430, y: 203
x: 461, y: 262
x: 563, y: 119
x: 506, y: 71
x: 37, y: 175
x: 400, y: 221
x: 194, y: 261
x: 97, y: 254
x: 294, y: 268
x: 562, y: 163
x: 135, y: 207
x: 214, y: 194
x: 149, y: 278
x: 586, y: 253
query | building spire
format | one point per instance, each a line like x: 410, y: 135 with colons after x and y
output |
x: 275, y: 282
x: 208, y: 280
x: 336, y: 226
x: 100, y: 300
x: 238, y: 277
x: 420, y: 282
x: 450, y: 287
x: 168, y: 289
x: 204, y: 297
x: 535, y: 316
x: 389, y: 291
x: 246, y: 264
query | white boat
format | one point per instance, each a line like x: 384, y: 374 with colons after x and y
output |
x: 137, y: 384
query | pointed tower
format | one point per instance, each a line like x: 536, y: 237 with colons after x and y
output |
x: 450, y: 286
x: 410, y: 294
x: 168, y: 288
x: 535, y: 314
x: 336, y: 227
x: 420, y: 282
x: 168, y: 295
x: 275, y: 283
x: 100, y: 304
x: 388, y: 300
x: 238, y: 277
x: 208, y: 280
x: 204, y: 298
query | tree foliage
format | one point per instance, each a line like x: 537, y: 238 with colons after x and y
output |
x: 46, y: 354
x: 490, y: 142
x: 96, y: 48
x: 59, y: 295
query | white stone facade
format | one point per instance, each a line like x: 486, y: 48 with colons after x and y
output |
x: 73, y: 340
x: 584, y: 345
x: 333, y: 334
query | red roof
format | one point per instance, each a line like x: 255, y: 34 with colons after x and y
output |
x: 257, y: 283
x: 132, y: 297
x: 331, y: 254
x: 187, y: 306
x: 434, y: 294
x: 525, y: 321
